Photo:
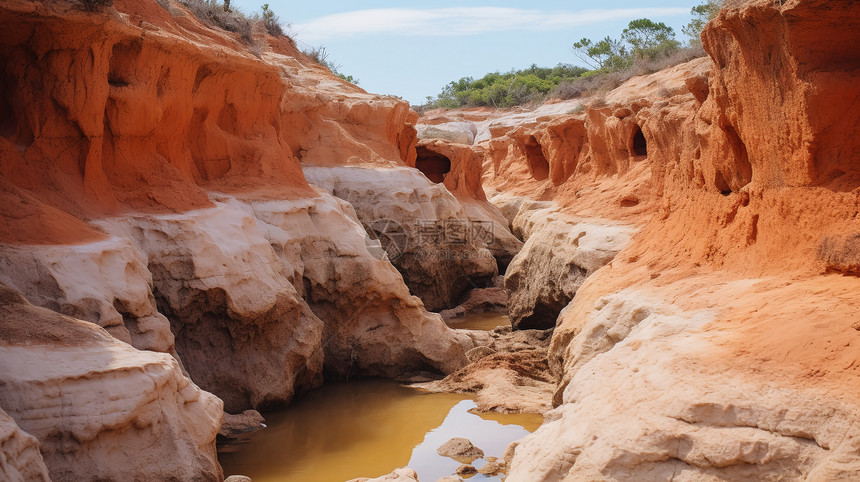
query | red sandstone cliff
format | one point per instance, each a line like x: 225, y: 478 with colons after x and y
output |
x: 152, y: 184
x: 720, y: 342
x: 693, y: 239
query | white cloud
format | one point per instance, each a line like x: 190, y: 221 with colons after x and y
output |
x: 462, y: 21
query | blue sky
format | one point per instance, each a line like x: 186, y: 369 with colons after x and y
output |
x: 413, y: 49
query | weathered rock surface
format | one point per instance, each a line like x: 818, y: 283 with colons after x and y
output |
x: 461, y: 169
x: 237, y: 478
x: 252, y: 281
x: 373, y: 325
x: 711, y: 347
x: 680, y: 405
x: 20, y: 460
x: 105, y: 282
x: 461, y: 450
x: 100, y: 408
x: 466, y: 470
x: 480, y: 300
x: 151, y: 184
x: 492, y: 468
x: 240, y: 423
x: 507, y: 372
x: 559, y: 253
x: 457, y: 132
x: 422, y: 226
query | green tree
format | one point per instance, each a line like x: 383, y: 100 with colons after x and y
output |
x: 702, y: 14
x: 649, y: 39
x: 606, y: 54
x: 272, y: 22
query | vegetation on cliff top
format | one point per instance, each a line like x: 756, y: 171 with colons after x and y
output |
x: 644, y: 47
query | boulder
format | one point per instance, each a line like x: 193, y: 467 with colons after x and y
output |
x: 460, y: 449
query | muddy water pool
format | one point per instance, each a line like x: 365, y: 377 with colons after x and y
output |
x: 367, y: 428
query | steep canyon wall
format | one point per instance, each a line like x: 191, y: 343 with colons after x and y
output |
x: 719, y: 342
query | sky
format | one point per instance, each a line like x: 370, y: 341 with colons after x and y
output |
x: 413, y: 49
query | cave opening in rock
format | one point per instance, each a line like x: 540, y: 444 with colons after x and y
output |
x: 123, y: 63
x: 432, y: 164
x: 639, y: 144
x: 538, y: 165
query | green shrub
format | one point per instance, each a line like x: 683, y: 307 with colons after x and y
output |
x: 702, y: 14
x: 605, y: 80
x: 320, y: 56
x: 214, y: 14
x: 513, y: 88
x: 271, y: 22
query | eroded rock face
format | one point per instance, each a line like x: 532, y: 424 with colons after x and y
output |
x: 217, y: 279
x: 20, y: 460
x: 106, y: 282
x: 464, y: 181
x: 671, y: 412
x: 700, y: 352
x: 84, y: 394
x: 264, y: 294
x: 151, y: 184
x: 507, y: 372
x: 460, y: 449
x: 430, y: 240
x: 786, y: 126
x: 558, y: 255
x: 372, y: 325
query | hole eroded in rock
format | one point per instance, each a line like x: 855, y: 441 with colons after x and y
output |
x: 639, y: 145
x: 123, y: 63
x: 721, y: 184
x: 742, y: 166
x: 538, y: 165
x: 432, y: 164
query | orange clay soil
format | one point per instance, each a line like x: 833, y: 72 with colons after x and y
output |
x: 133, y: 109
x: 744, y: 167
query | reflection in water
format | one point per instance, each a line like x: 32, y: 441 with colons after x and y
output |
x: 366, y: 429
x: 489, y: 435
x: 480, y: 321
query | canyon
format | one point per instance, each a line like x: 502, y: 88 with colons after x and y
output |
x: 192, y: 225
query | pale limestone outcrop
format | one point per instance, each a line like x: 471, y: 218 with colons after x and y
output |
x: 241, y: 328
x: 559, y: 253
x: 463, y: 180
x: 667, y: 415
x: 372, y: 325
x: 101, y: 409
x: 458, y: 132
x: 104, y: 282
x: 276, y: 290
x: 20, y: 460
x: 438, y: 253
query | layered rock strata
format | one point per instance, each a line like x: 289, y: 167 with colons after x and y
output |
x: 100, y: 408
